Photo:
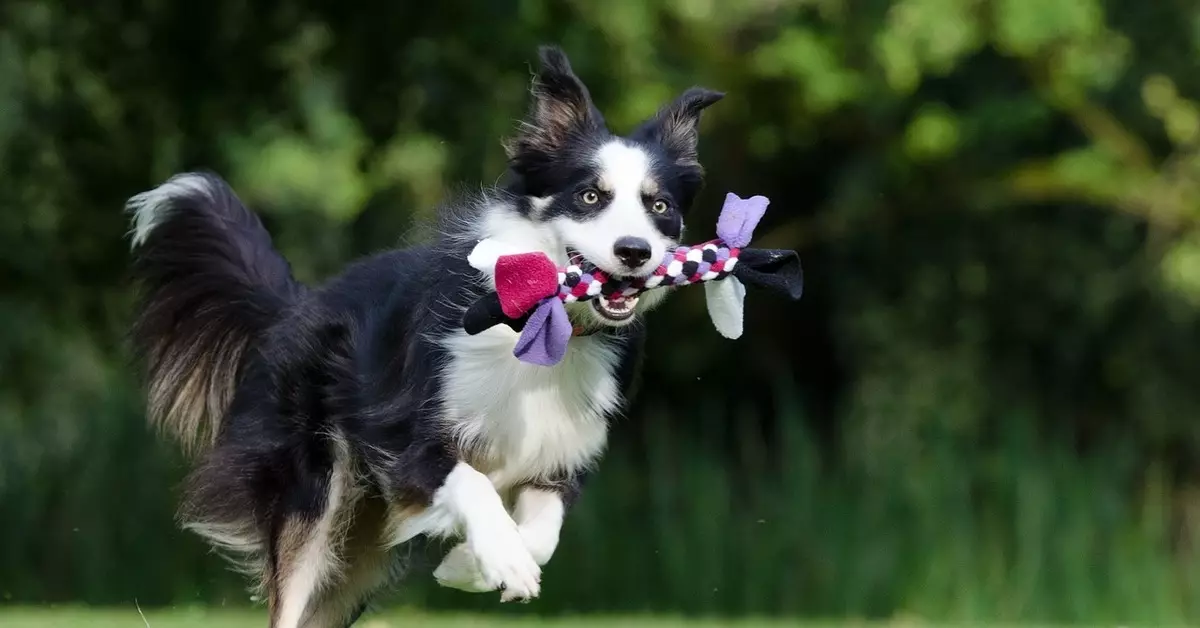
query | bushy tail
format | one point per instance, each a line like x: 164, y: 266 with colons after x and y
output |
x: 212, y: 283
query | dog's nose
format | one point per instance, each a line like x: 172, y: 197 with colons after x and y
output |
x: 632, y: 252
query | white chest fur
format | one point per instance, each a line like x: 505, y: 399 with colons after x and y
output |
x: 518, y: 422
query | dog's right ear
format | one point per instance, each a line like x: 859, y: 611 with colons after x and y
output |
x: 562, y: 109
x: 676, y: 126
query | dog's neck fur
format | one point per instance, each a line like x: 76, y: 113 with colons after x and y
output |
x: 519, y: 422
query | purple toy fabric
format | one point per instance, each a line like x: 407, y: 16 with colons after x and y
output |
x: 739, y: 217
x: 544, y: 339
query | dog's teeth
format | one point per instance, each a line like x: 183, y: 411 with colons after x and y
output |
x: 619, y: 307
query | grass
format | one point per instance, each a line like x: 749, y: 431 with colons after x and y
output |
x: 70, y: 617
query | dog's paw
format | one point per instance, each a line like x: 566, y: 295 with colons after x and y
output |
x: 504, y: 562
x: 460, y: 570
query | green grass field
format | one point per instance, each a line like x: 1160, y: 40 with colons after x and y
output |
x: 214, y: 618
x: 219, y: 618
x: 197, y: 618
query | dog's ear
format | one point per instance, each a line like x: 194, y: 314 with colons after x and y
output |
x: 676, y: 126
x: 562, y: 109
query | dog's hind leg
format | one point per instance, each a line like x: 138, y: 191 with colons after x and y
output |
x: 300, y: 561
x: 368, y: 567
x: 303, y: 553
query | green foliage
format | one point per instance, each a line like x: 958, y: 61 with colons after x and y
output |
x: 988, y: 409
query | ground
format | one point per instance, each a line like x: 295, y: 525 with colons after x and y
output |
x: 212, y: 618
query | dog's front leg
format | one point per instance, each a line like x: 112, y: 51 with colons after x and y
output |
x: 495, y: 546
x: 538, y: 512
x: 539, y: 515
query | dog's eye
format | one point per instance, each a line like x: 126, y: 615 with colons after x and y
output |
x: 589, y: 197
x: 660, y: 207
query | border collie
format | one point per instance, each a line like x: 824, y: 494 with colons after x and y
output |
x: 334, y: 424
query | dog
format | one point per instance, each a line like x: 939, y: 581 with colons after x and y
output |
x: 332, y: 425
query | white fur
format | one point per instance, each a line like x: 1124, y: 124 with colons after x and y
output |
x: 503, y: 231
x: 402, y: 527
x: 502, y: 224
x: 149, y: 207
x: 485, y: 255
x: 317, y: 560
x: 526, y: 421
x: 492, y: 538
x: 460, y: 570
x: 539, y: 515
x: 625, y: 172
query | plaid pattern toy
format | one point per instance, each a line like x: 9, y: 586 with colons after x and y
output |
x: 531, y: 291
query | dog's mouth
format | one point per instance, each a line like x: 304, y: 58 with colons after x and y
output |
x: 575, y: 258
x: 616, y: 308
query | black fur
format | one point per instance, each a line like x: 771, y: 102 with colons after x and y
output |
x: 212, y: 285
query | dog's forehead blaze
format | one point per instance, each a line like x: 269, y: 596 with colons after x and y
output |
x: 650, y: 186
x: 624, y: 169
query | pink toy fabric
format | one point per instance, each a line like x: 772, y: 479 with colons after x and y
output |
x: 523, y: 280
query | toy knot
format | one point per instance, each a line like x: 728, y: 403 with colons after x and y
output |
x: 739, y: 217
x: 523, y: 280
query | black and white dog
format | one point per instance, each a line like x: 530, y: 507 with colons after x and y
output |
x: 334, y: 424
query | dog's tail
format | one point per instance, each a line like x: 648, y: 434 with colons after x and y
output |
x: 212, y: 283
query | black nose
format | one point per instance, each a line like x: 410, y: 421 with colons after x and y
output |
x: 632, y: 252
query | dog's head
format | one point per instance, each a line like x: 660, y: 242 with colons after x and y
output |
x: 617, y: 202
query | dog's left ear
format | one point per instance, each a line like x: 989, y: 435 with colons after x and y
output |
x: 562, y: 109
x: 676, y: 126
